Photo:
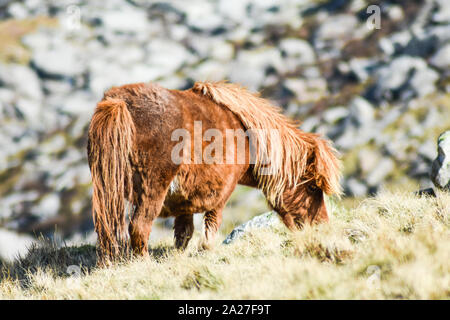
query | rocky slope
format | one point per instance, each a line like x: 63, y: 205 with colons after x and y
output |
x: 382, y: 95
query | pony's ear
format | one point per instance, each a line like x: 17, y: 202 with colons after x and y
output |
x: 327, y: 167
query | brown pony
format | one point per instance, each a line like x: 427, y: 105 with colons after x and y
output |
x: 132, y: 146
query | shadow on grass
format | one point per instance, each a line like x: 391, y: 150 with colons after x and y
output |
x: 61, y: 261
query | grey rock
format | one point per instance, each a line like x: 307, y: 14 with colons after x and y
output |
x: 266, y: 220
x: 168, y: 56
x: 13, y: 244
x: 18, y: 10
x: 379, y: 173
x: 308, y: 90
x: 442, y: 14
x: 406, y: 76
x: 428, y: 150
x: 200, y: 15
x: 441, y: 58
x: 440, y: 170
x: 368, y: 160
x: 441, y: 32
x: 337, y: 26
x: 426, y: 192
x: 22, y: 79
x: 298, y: 52
x: 362, y: 112
x: 48, y: 206
x: 335, y: 114
x: 31, y: 111
x: 356, y: 188
x: 360, y: 67
x: 395, y: 42
x: 359, y: 126
x: 249, y: 67
x: 125, y: 21
x: 60, y: 59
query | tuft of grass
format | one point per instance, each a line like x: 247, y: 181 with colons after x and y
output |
x: 47, y: 256
x: 392, y: 246
x: 201, y: 279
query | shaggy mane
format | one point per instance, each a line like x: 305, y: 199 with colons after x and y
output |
x: 298, y: 156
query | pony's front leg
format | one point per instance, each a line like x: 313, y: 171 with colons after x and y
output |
x: 184, y: 228
x: 211, y: 223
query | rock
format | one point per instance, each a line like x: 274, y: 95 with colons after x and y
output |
x: 233, y: 9
x: 395, y: 42
x: 222, y: 51
x: 379, y: 173
x: 60, y: 59
x: 356, y: 188
x: 335, y: 114
x: 13, y: 244
x: 361, y: 111
x: 307, y: 90
x: 250, y: 67
x: 441, y: 59
x: 405, y: 77
x: 201, y: 15
x: 336, y: 27
x: 427, y: 150
x: 13, y: 76
x: 266, y: 220
x: 359, y: 126
x: 298, y: 52
x: 441, y: 32
x: 126, y: 21
x: 209, y: 70
x: 18, y: 11
x: 360, y: 67
x: 30, y: 110
x: 442, y: 14
x: 168, y: 56
x: 426, y: 192
x: 333, y: 33
x: 368, y: 160
x: 395, y: 13
x: 48, y: 206
x: 440, y: 170
x: 78, y: 103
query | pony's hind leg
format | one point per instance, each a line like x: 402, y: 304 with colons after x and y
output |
x: 141, y: 223
x: 149, y: 199
x: 184, y: 228
x: 211, y: 224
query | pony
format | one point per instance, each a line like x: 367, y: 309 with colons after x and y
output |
x: 134, y: 154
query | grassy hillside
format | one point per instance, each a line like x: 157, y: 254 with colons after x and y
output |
x: 394, y: 246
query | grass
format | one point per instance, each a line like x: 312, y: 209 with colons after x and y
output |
x: 393, y: 246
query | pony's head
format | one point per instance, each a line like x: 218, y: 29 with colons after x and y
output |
x: 304, y: 202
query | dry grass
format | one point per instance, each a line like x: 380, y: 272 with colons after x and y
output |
x: 394, y: 246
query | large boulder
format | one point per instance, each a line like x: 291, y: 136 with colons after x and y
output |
x: 440, y: 170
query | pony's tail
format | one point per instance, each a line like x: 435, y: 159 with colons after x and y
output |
x: 111, y: 136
